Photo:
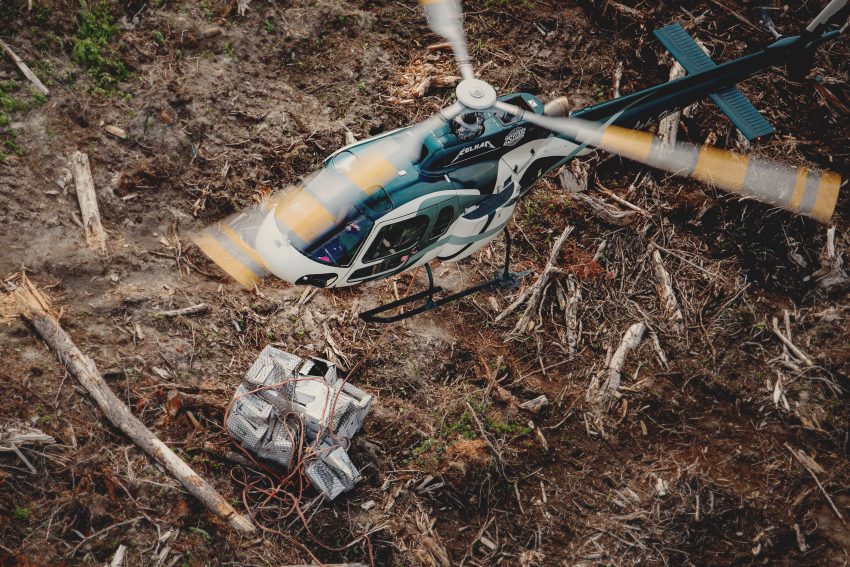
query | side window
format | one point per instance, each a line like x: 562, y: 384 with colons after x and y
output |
x: 441, y: 225
x: 396, y: 238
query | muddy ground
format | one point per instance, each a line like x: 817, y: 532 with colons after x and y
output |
x: 693, y: 462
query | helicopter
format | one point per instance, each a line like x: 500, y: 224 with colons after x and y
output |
x: 445, y: 187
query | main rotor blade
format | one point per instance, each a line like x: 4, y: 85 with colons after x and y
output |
x: 798, y: 190
x: 445, y: 18
x: 322, y: 201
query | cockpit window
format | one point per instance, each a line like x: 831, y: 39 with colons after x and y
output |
x: 341, y: 246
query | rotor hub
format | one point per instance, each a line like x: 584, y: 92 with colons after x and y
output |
x: 476, y: 94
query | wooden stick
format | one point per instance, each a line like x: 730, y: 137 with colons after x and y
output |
x: 831, y: 274
x: 118, y: 558
x: 798, y: 455
x: 668, y: 128
x: 21, y: 435
x: 37, y: 309
x: 608, y: 213
x: 630, y: 342
x: 801, y: 356
x: 665, y: 292
x: 618, y: 77
x: 24, y: 69
x: 88, y: 201
x: 23, y: 458
x: 191, y: 310
x: 571, y: 315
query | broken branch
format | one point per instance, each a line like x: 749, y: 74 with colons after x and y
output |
x: 24, y: 69
x: 88, y: 201
x: 630, y: 342
x: 665, y: 291
x: 801, y: 356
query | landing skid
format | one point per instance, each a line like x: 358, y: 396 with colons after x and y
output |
x: 505, y: 279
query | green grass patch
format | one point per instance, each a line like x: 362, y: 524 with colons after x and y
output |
x: 9, y: 105
x: 463, y: 427
x: 202, y: 533
x: 94, y: 50
x: 507, y: 428
x: 428, y: 445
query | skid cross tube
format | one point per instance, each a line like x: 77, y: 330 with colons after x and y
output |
x: 504, y: 279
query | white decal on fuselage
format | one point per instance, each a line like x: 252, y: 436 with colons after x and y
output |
x: 476, y: 147
x: 514, y: 136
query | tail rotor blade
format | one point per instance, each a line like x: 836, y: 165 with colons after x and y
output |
x: 445, y: 18
x: 798, y: 190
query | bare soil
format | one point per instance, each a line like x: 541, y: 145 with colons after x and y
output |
x: 690, y: 464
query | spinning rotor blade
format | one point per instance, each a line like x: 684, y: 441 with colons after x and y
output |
x: 445, y: 18
x: 798, y: 190
x: 309, y: 210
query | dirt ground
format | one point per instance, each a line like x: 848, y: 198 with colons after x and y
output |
x: 695, y: 461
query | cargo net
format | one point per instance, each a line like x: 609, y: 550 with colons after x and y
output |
x: 296, y: 415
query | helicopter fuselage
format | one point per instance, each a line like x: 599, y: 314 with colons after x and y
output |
x: 460, y: 192
x: 452, y: 200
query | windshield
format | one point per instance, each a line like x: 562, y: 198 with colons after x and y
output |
x: 341, y: 245
x: 331, y: 215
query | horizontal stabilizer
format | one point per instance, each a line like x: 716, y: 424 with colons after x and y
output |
x: 730, y: 100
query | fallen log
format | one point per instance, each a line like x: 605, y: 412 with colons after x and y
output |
x: 37, y: 309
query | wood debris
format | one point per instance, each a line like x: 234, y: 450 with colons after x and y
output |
x: 18, y: 435
x: 242, y: 6
x: 24, y: 69
x: 630, y: 341
x: 831, y: 276
x: 536, y: 404
x: 573, y: 176
x: 184, y: 311
x: 116, y: 131
x: 813, y: 468
x: 95, y: 235
x: 38, y: 310
x: 534, y: 294
x: 799, y: 354
x: 666, y: 293
x: 608, y: 213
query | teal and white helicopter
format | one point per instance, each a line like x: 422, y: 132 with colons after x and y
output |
x: 445, y: 187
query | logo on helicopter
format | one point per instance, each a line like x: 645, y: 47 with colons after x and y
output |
x: 488, y: 145
x: 514, y: 136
